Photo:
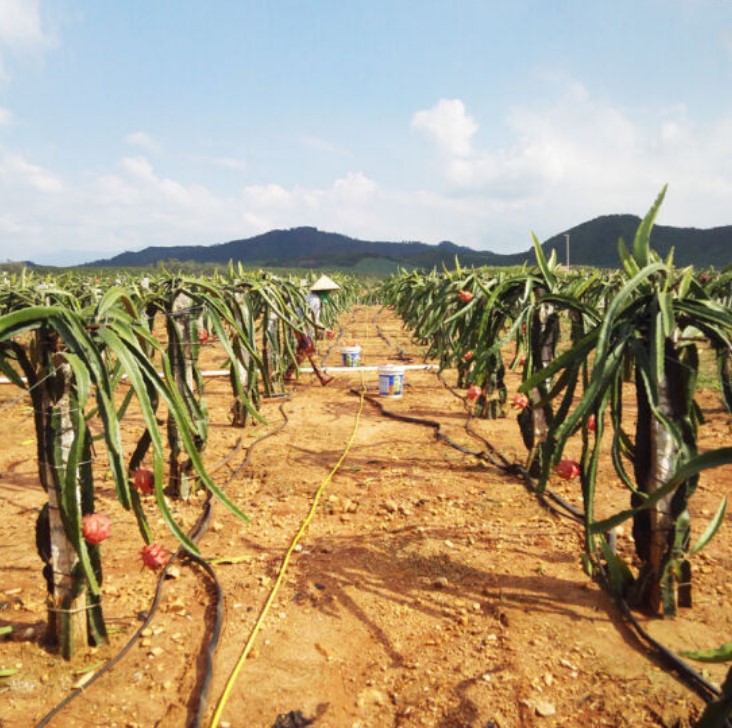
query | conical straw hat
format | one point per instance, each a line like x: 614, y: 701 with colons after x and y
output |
x: 324, y: 284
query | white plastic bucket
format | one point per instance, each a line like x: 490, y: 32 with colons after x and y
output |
x: 351, y: 356
x: 391, y: 381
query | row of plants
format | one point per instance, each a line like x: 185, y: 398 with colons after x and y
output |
x: 87, y: 349
x: 581, y: 339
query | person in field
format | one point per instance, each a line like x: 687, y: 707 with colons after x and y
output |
x: 317, y: 295
x: 306, y: 350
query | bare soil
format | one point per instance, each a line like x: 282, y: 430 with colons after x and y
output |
x: 430, y: 589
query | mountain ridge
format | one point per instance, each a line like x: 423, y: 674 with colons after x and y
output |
x: 592, y: 243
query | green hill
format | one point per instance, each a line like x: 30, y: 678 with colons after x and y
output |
x: 593, y: 243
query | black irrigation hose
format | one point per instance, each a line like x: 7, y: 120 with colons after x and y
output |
x: 694, y: 679
x: 114, y: 660
x: 213, y: 641
x: 417, y: 421
x: 197, y: 531
x: 401, y: 355
x: 702, y: 687
x: 491, y: 452
x: 380, y: 332
x: 220, y: 612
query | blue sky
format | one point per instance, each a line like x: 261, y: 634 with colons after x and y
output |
x: 128, y: 123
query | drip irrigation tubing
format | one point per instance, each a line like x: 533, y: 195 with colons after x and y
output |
x: 197, y: 532
x: 702, y: 687
x: 401, y: 355
x: 513, y: 468
x: 692, y: 677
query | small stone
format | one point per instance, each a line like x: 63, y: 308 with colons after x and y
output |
x: 449, y: 543
x: 441, y: 582
x: 371, y: 696
x: 544, y: 708
x: 390, y: 506
x: 485, y: 677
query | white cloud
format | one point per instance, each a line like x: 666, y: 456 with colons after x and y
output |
x: 143, y: 141
x: 582, y: 156
x: 137, y: 184
x: 449, y: 125
x: 348, y: 206
x: 9, y: 226
x: 320, y: 145
x: 237, y: 165
x: 270, y: 195
x: 565, y: 163
x: 557, y: 165
x: 21, y: 32
x: 16, y: 171
x: 5, y: 116
x: 355, y: 188
x: 20, y: 23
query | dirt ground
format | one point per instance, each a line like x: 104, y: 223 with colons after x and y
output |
x: 428, y: 590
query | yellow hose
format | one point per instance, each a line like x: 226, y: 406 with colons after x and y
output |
x: 280, y: 577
